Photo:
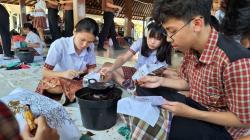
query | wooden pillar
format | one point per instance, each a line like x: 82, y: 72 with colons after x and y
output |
x: 128, y: 15
x: 23, y: 18
x: 79, y: 10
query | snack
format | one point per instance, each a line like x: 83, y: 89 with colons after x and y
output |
x: 28, y: 116
x: 158, y: 72
x: 147, y: 69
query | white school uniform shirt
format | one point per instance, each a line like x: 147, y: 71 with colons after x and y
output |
x: 151, y: 59
x: 62, y: 56
x: 31, y: 37
x: 40, y: 5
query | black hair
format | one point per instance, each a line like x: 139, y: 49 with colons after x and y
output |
x: 237, y: 18
x: 30, y: 27
x: 28, y: 17
x: 88, y: 25
x: 215, y: 23
x: 164, y: 51
x: 13, y: 32
x: 184, y: 10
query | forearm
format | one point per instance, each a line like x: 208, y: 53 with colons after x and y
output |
x: 91, y: 70
x: 178, y: 84
x: 34, y: 45
x: 118, y: 63
x: 220, y: 118
x: 51, y: 73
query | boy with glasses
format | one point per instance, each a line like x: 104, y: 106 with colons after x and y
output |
x: 215, y: 71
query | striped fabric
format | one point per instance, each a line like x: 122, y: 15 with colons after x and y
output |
x: 39, y: 22
x: 140, y: 130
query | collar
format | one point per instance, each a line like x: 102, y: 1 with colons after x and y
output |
x: 209, y: 49
x: 71, y: 48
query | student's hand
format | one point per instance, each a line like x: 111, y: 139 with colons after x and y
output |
x: 43, y: 132
x: 179, y: 109
x: 150, y: 81
x: 70, y: 74
x: 106, y: 72
x: 170, y: 73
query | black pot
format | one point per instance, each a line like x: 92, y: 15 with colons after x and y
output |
x: 100, y: 87
x: 25, y: 56
x: 98, y: 114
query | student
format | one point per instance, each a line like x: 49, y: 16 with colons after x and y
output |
x: 219, y: 14
x: 215, y: 70
x: 152, y: 49
x: 7, y: 120
x: 39, y: 20
x: 67, y: 58
x: 34, y: 43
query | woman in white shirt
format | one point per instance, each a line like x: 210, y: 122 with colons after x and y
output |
x: 152, y: 49
x: 34, y: 43
x: 39, y: 21
x: 69, y: 57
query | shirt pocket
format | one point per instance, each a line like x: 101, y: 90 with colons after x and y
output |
x: 215, y: 96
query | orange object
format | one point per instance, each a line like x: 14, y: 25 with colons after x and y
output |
x: 28, y: 115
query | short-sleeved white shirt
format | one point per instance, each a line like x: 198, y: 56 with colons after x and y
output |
x: 62, y: 56
x: 40, y: 5
x: 151, y: 59
x: 34, y: 38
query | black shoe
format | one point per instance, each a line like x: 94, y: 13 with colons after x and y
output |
x: 101, y: 49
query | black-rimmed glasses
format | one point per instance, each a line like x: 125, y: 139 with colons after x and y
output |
x: 174, y: 33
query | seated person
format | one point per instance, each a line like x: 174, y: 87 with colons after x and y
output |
x: 215, y: 70
x: 33, y: 41
x: 7, y: 120
x: 68, y: 58
x: 152, y: 49
x: 16, y: 37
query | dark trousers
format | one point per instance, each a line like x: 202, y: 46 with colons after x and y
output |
x: 4, y: 31
x: 108, y: 29
x: 185, y: 128
x: 69, y: 23
x: 53, y: 23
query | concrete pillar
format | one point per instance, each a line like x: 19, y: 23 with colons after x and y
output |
x: 22, y: 12
x: 79, y: 9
